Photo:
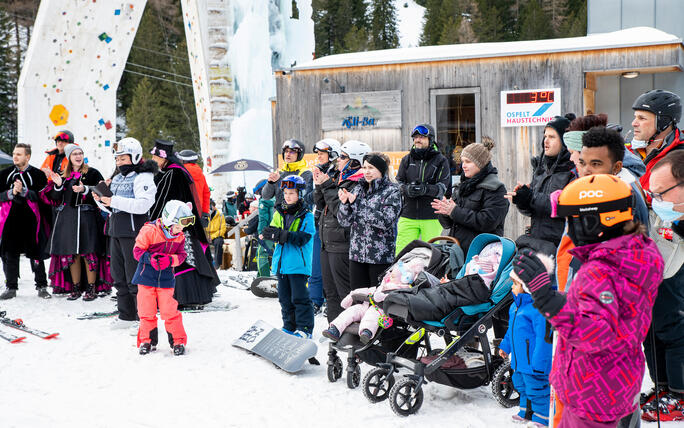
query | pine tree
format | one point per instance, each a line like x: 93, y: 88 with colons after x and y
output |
x: 144, y: 117
x: 8, y: 83
x: 556, y: 10
x: 450, y: 31
x: 535, y: 23
x: 357, y: 40
x: 384, y: 25
x: 433, y: 27
x: 576, y: 23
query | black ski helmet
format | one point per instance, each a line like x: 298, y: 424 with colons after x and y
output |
x: 425, y: 130
x: 66, y: 136
x: 664, y: 104
x: 296, y: 145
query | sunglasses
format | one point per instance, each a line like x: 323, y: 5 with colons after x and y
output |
x: 658, y: 196
x: 420, y: 129
x: 343, y: 157
x: 186, y: 221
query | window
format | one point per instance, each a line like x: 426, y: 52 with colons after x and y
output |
x: 455, y: 114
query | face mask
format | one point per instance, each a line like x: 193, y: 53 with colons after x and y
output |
x: 639, y: 144
x: 665, y: 210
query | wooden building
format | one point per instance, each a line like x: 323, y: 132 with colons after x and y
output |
x: 502, y: 90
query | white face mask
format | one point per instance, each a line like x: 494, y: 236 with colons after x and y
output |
x: 639, y: 144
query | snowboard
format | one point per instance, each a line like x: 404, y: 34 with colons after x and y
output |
x: 286, y: 351
x: 265, y: 286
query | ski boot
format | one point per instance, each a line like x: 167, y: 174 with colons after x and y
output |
x: 671, y: 408
x: 178, y: 349
x: 10, y: 293
x: 146, y: 348
x: 43, y: 293
x: 75, y: 293
x: 90, y: 293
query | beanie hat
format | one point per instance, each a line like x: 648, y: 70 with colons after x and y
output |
x: 479, y: 153
x: 377, y: 161
x: 573, y: 140
x: 560, y: 124
x: 69, y: 148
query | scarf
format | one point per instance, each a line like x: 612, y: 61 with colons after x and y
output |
x: 468, y: 185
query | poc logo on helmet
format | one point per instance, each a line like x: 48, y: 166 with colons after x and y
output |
x: 591, y: 194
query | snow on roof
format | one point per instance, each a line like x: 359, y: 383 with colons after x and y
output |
x: 631, y: 37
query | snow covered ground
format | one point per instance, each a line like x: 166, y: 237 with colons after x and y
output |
x: 92, y: 376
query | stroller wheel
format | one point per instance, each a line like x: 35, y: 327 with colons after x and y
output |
x: 334, y: 369
x: 502, y: 386
x: 353, y: 376
x: 377, y: 385
x: 406, y: 397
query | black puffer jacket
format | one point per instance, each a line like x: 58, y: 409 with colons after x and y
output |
x: 480, y: 207
x: 334, y: 238
x: 550, y: 174
x: 435, y: 303
x: 427, y: 167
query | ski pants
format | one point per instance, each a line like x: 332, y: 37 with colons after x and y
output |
x: 409, y: 229
x: 668, y: 327
x: 122, y: 266
x: 149, y: 298
x: 535, y: 398
x: 295, y: 304
x: 366, y: 315
x: 10, y: 265
x: 217, y: 243
x: 316, y: 279
x: 264, y: 259
x: 362, y: 275
x: 335, y: 270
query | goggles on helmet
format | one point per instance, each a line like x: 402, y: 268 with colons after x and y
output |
x: 291, y: 145
x: 322, y: 146
x: 62, y: 136
x: 420, y: 129
x: 186, y: 221
x: 289, y: 185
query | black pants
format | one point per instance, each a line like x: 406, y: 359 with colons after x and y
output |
x: 218, y: 251
x: 122, y: 268
x: 365, y: 274
x: 335, y: 272
x: 295, y: 303
x: 10, y: 265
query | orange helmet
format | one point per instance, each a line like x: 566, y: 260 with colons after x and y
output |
x: 596, y: 206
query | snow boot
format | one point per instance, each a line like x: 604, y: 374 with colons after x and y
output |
x: 146, y: 348
x: 10, y: 293
x: 178, y: 349
x: 332, y: 333
x: 90, y: 293
x: 671, y: 408
x: 365, y: 336
x: 302, y: 334
x: 43, y: 293
x: 75, y: 293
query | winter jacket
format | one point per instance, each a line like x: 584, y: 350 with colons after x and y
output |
x: 525, y: 338
x: 294, y: 256
x: 152, y: 241
x: 549, y: 175
x: 266, y: 208
x: 133, y: 197
x: 430, y: 168
x: 64, y: 194
x: 672, y: 142
x: 599, y: 365
x: 435, y: 303
x: 55, y: 161
x: 229, y: 209
x: 329, y: 169
x: 334, y: 237
x: 480, y: 207
x: 201, y: 185
x: 273, y: 190
x: 372, y: 218
x: 217, y: 225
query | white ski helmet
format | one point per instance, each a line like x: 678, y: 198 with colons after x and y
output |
x: 176, y: 212
x: 330, y: 146
x: 129, y: 146
x: 356, y: 150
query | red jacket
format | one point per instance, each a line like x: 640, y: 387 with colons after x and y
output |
x: 653, y: 158
x: 50, y: 159
x: 201, y: 185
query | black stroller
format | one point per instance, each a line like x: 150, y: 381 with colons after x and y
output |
x: 445, y: 258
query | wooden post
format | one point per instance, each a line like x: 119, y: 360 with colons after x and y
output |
x: 236, y: 233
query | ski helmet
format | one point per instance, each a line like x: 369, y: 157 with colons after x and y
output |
x: 293, y: 182
x: 294, y: 145
x: 129, y: 146
x: 330, y: 146
x: 65, y: 136
x: 177, y: 212
x: 355, y: 150
x: 425, y: 130
x: 596, y: 206
x: 187, y: 156
x: 666, y: 105
x: 231, y: 195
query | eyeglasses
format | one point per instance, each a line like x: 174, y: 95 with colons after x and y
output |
x: 658, y: 196
x: 186, y: 221
x: 420, y: 129
x: 343, y: 156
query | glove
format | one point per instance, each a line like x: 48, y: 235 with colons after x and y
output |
x: 415, y: 190
x: 523, y: 197
x: 532, y: 273
x: 160, y: 261
x: 274, y: 234
x: 435, y: 191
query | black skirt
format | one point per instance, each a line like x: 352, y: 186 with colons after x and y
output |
x: 196, y: 281
x: 76, y: 231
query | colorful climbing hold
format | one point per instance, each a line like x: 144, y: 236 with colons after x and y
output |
x: 59, y: 115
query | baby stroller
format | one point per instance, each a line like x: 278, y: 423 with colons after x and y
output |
x: 444, y: 257
x: 459, y: 328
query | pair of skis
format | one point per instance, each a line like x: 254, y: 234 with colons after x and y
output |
x: 18, y: 324
x: 97, y: 315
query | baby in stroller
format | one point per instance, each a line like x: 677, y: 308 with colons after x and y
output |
x: 361, y: 304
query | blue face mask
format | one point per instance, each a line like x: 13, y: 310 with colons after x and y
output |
x: 665, y: 210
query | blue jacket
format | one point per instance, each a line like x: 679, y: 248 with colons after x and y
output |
x: 524, y: 340
x: 294, y: 256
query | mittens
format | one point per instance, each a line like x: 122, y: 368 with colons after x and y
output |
x: 160, y: 261
x: 523, y: 197
x: 537, y: 282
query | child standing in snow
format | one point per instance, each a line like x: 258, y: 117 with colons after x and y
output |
x: 530, y: 356
x: 159, y: 248
x: 291, y: 229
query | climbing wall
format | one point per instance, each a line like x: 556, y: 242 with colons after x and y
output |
x: 71, y: 73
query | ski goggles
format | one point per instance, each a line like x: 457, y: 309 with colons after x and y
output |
x: 186, y: 221
x: 291, y: 145
x: 421, y: 130
x: 322, y: 146
x: 62, y: 136
x: 289, y: 185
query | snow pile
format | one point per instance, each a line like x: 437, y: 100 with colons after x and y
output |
x: 410, y: 21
